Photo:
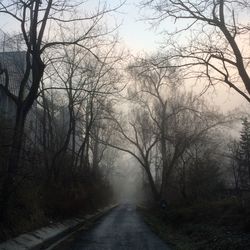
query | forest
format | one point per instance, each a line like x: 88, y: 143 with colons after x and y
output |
x: 76, y: 104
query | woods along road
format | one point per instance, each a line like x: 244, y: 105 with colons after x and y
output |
x: 121, y: 229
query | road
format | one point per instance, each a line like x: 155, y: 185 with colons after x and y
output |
x: 122, y: 229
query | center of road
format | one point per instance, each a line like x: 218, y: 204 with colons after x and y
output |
x: 122, y: 229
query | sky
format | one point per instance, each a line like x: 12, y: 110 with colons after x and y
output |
x: 137, y: 36
x: 136, y: 33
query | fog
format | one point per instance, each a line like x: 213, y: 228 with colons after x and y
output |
x: 126, y: 181
x: 127, y: 103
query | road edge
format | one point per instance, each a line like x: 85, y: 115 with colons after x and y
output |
x: 46, y: 236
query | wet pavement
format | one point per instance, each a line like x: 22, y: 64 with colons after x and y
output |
x: 122, y: 229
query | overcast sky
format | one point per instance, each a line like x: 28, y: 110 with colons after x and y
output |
x: 137, y: 36
x: 135, y: 33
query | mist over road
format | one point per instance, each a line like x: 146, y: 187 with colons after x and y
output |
x: 122, y: 229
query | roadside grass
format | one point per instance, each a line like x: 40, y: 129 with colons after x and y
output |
x: 34, y: 206
x: 219, y: 225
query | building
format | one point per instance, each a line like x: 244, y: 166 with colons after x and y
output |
x: 14, y: 62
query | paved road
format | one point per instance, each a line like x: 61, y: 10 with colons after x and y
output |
x: 121, y: 229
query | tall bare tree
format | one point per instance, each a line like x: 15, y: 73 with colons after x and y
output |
x: 210, y: 39
x: 137, y: 137
x: 35, y: 19
x: 180, y: 118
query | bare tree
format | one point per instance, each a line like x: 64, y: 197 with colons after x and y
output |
x: 86, y: 85
x: 199, y: 171
x: 138, y: 139
x: 181, y: 119
x: 35, y: 17
x: 215, y: 41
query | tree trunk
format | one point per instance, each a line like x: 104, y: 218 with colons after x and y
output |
x: 44, y: 134
x: 96, y: 152
x: 155, y: 192
x: 163, y: 153
x: 15, y: 152
x: 24, y: 105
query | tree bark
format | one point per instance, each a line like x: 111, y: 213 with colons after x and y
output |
x: 14, y: 157
x: 155, y: 192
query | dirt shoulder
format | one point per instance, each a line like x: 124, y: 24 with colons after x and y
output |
x: 211, y: 226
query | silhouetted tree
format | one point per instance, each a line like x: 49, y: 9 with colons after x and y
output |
x: 213, y: 44
x: 35, y: 18
x: 244, y: 154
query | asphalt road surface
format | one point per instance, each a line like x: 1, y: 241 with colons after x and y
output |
x: 121, y: 229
